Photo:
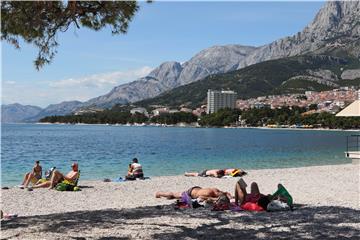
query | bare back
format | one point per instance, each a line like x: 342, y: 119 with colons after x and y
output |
x: 205, y: 193
x: 212, y: 172
x: 229, y: 171
x: 37, y: 170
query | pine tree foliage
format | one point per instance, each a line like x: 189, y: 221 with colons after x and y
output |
x: 39, y: 22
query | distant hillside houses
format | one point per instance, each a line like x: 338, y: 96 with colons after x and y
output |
x: 158, y: 111
x: 328, y: 101
x: 88, y: 110
x: 139, y: 110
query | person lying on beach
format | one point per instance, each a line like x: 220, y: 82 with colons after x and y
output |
x: 33, y: 176
x: 234, y: 172
x: 58, y: 177
x: 207, y: 173
x: 135, y: 170
x: 280, y: 200
x: 254, y: 201
x: 204, y: 194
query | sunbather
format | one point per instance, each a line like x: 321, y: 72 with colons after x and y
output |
x: 195, y: 193
x: 253, y: 201
x: 207, y: 173
x: 57, y: 177
x: 234, y: 172
x: 33, y: 176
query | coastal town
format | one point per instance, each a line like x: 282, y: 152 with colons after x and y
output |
x: 223, y: 108
x: 325, y: 101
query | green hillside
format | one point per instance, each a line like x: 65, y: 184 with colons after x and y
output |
x: 261, y: 79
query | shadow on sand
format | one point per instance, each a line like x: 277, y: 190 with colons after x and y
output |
x: 163, y: 222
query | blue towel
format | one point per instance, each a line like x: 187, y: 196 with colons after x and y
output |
x: 119, y: 180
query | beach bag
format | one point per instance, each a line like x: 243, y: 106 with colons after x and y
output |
x: 277, y: 205
x: 222, y: 203
x: 49, y: 172
x: 283, y: 194
x: 65, y: 186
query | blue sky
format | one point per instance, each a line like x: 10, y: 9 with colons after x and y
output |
x: 89, y: 64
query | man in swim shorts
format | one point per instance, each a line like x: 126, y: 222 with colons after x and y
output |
x: 195, y: 192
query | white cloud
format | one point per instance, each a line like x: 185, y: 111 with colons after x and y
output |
x: 103, y: 79
x: 10, y: 82
x: 43, y: 93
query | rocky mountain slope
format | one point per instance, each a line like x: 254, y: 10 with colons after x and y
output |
x: 13, y: 113
x: 286, y: 75
x: 217, y: 59
x: 62, y: 108
x: 337, y: 25
x: 336, y: 28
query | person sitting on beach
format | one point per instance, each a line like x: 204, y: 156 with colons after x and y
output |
x: 33, y: 176
x: 207, y: 173
x: 58, y: 177
x: 135, y: 170
x: 196, y: 192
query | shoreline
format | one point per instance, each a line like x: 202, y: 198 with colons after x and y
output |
x: 182, y: 175
x: 181, y: 125
x: 129, y: 210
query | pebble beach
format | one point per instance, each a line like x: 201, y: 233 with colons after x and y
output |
x: 327, y: 202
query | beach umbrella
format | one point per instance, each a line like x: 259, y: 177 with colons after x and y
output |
x: 353, y: 110
x: 353, y: 144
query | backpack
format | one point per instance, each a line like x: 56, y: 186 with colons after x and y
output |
x: 49, y: 172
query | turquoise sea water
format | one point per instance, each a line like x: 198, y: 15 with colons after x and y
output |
x: 105, y: 151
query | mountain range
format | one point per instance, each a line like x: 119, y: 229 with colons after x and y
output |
x: 335, y: 31
x: 280, y: 76
x: 16, y: 112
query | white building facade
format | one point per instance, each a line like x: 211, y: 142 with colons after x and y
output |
x: 220, y: 99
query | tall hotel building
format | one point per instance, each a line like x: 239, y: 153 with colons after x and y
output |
x: 220, y: 99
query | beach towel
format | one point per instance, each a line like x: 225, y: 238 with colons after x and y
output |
x: 186, y: 199
x: 120, y: 179
x: 250, y: 206
x: 187, y: 202
x: 64, y: 186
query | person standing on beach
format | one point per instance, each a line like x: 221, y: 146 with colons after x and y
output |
x: 135, y: 170
x: 33, y: 176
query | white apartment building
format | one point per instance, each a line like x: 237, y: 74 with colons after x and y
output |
x: 220, y: 99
